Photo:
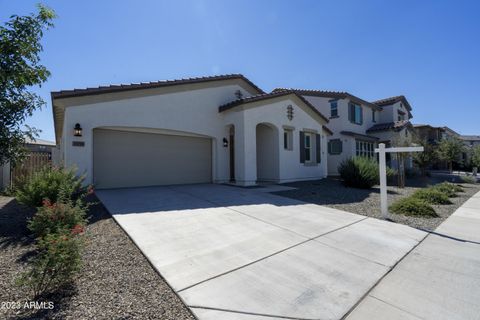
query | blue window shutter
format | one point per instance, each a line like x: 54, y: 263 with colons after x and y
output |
x: 317, y: 147
x: 302, y: 147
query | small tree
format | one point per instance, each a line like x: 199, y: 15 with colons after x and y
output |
x: 424, y: 159
x: 450, y: 150
x: 476, y: 157
x: 20, y: 69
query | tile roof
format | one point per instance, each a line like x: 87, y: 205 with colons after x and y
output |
x: 470, y: 138
x: 397, y: 125
x: 330, y: 132
x: 147, y: 85
x: 271, y: 95
x: 330, y: 94
x: 359, y: 135
x: 392, y: 100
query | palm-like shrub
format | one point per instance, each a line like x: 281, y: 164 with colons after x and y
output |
x: 49, y: 183
x: 412, y: 206
x: 360, y: 172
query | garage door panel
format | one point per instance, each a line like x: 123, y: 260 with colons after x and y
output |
x: 131, y: 159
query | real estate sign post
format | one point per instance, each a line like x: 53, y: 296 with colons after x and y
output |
x: 381, y: 150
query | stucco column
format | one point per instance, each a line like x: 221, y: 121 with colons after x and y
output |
x: 245, y: 154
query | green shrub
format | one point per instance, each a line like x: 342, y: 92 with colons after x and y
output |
x: 411, y: 206
x: 468, y: 179
x: 49, y: 183
x: 360, y: 172
x: 448, y: 188
x: 431, y: 196
x: 57, y: 217
x: 56, y: 264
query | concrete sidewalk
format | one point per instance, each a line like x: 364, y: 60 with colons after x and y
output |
x: 439, y: 279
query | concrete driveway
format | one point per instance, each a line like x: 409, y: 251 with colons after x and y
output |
x: 235, y: 253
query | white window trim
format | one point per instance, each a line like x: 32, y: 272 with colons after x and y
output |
x: 310, y: 135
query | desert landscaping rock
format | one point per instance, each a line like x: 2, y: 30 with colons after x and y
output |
x: 330, y: 192
x: 116, y: 281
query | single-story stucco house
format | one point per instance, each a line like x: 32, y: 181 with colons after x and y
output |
x: 220, y: 129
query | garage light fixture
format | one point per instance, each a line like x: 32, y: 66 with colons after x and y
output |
x: 225, y: 142
x: 77, y: 130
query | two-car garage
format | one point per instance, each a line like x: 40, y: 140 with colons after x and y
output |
x: 124, y: 158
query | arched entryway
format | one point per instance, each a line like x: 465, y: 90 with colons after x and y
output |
x: 267, y: 153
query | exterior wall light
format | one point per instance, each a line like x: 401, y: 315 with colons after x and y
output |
x: 225, y: 142
x: 77, y: 130
x: 290, y: 112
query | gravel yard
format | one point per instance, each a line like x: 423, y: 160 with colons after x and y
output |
x: 330, y: 192
x: 116, y: 282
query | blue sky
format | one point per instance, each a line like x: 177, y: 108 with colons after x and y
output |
x: 426, y: 50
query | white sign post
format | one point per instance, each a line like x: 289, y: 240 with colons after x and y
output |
x: 381, y: 150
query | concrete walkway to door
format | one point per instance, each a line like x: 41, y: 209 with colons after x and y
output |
x: 234, y: 253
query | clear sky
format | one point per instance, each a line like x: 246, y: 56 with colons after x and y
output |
x: 427, y: 50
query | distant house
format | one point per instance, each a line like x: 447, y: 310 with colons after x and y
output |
x: 470, y: 143
x: 358, y: 125
x: 40, y: 145
x: 431, y: 134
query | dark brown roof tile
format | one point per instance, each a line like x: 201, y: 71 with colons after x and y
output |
x: 146, y: 85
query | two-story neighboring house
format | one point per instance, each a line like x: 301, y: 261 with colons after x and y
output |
x: 394, y: 127
x: 358, y: 125
x: 470, y: 143
x: 431, y: 134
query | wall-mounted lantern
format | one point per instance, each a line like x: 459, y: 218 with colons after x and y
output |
x: 77, y: 130
x: 225, y: 142
x: 290, y: 112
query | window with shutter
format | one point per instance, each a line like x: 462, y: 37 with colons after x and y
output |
x: 318, y: 154
x: 355, y: 113
x: 302, y: 147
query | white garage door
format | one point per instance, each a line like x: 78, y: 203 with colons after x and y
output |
x: 134, y: 159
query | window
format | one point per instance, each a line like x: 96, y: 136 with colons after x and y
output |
x: 401, y: 115
x: 308, y: 147
x: 335, y: 146
x: 373, y: 116
x: 365, y: 149
x: 333, y: 109
x: 355, y: 114
x: 288, y: 139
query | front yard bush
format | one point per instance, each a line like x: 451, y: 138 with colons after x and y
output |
x: 360, y: 172
x: 57, y: 217
x: 468, y: 179
x: 431, y: 196
x: 57, y: 262
x: 412, y: 206
x: 449, y: 189
x: 49, y: 183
